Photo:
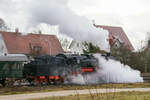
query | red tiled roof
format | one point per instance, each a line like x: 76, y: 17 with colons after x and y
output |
x: 21, y: 44
x: 118, y: 32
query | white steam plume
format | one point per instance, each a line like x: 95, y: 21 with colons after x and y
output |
x: 110, y: 71
x: 55, y: 12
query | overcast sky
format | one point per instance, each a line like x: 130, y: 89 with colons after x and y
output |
x: 132, y: 15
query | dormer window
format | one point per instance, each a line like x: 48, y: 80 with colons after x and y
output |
x: 37, y: 49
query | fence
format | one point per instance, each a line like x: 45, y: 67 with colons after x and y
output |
x: 146, y: 77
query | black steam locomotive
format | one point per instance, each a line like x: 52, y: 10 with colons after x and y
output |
x: 52, y: 69
x: 55, y: 69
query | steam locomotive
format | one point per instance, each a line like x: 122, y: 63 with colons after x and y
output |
x: 47, y: 69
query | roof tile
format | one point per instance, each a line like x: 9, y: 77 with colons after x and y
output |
x: 118, y: 32
x: 21, y: 44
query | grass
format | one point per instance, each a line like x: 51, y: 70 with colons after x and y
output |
x: 106, y: 96
x: 35, y: 89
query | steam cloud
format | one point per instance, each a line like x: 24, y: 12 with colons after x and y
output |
x: 110, y: 71
x: 54, y: 12
x: 57, y: 12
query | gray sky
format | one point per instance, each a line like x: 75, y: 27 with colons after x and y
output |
x: 132, y: 15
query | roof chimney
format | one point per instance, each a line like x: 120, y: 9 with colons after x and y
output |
x: 40, y: 32
x: 93, y: 22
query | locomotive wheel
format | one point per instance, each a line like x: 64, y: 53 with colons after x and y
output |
x: 59, y: 81
x: 38, y: 81
x: 31, y: 81
x: 51, y: 82
x: 55, y: 82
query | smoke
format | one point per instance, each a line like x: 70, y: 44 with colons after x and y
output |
x: 55, y: 12
x: 109, y: 71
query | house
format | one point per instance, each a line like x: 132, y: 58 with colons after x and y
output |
x: 75, y: 47
x: 117, y: 36
x: 30, y: 44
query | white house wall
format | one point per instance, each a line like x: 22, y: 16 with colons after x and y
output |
x: 76, y: 47
x: 3, y: 48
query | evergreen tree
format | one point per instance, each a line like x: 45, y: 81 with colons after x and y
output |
x: 90, y: 48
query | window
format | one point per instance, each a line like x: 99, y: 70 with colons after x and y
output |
x: 37, y: 49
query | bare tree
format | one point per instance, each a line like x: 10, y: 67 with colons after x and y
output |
x: 3, y: 26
